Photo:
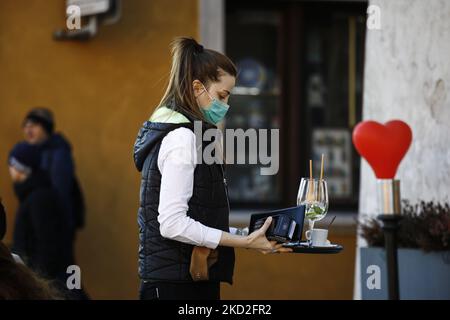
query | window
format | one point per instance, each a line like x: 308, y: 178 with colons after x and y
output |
x: 300, y: 70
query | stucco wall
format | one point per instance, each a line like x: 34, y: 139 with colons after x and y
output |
x: 407, y: 77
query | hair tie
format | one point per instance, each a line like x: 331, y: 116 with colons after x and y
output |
x: 200, y: 48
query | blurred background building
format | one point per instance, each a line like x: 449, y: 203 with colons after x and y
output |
x: 301, y: 70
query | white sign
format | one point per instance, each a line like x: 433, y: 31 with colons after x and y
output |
x: 90, y: 7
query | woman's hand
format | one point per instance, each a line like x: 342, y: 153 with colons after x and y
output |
x: 257, y: 240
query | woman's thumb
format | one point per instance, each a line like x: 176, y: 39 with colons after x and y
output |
x: 266, y: 225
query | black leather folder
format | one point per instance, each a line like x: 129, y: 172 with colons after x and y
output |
x: 283, y: 221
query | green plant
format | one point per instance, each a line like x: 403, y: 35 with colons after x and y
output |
x: 425, y: 225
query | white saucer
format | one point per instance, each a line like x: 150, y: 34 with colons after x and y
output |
x: 306, y: 245
x: 331, y: 245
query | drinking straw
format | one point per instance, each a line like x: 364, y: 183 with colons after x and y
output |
x: 310, y: 194
x: 321, y: 168
x: 332, y: 220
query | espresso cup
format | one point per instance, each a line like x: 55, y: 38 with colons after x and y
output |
x: 317, y: 237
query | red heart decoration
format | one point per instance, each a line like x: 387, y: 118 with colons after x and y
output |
x: 383, y: 146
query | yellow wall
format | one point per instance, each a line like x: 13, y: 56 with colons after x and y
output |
x: 101, y: 91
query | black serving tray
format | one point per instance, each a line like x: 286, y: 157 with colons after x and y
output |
x: 303, y: 247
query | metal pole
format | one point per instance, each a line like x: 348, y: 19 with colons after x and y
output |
x: 390, y: 227
x: 389, y: 205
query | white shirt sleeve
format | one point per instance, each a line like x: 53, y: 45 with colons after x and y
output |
x: 177, y: 162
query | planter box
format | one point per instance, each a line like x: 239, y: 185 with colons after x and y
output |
x: 421, y: 275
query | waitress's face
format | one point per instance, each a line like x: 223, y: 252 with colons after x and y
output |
x: 220, y: 90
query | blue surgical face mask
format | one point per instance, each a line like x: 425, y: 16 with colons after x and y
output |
x: 215, y: 111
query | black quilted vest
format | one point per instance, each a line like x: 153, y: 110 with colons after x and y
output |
x: 162, y: 259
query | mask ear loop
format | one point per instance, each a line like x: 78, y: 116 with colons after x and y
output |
x: 207, y: 93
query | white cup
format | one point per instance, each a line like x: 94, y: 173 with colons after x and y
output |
x: 317, y: 237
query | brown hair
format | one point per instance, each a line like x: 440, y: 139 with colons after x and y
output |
x: 17, y: 282
x: 190, y: 61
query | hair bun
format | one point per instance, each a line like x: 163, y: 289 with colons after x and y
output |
x: 180, y: 44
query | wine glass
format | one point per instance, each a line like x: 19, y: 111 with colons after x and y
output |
x: 313, y: 194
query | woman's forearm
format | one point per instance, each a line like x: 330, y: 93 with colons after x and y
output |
x: 232, y: 240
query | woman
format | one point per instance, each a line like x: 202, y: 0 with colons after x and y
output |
x: 186, y: 248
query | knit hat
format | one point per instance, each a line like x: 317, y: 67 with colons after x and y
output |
x: 42, y: 116
x: 25, y: 157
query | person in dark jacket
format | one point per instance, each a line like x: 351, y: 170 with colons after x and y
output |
x: 186, y: 243
x: 42, y: 236
x: 57, y: 160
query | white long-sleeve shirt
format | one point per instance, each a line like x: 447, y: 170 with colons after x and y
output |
x: 176, y: 162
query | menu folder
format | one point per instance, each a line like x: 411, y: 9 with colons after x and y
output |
x: 286, y: 226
